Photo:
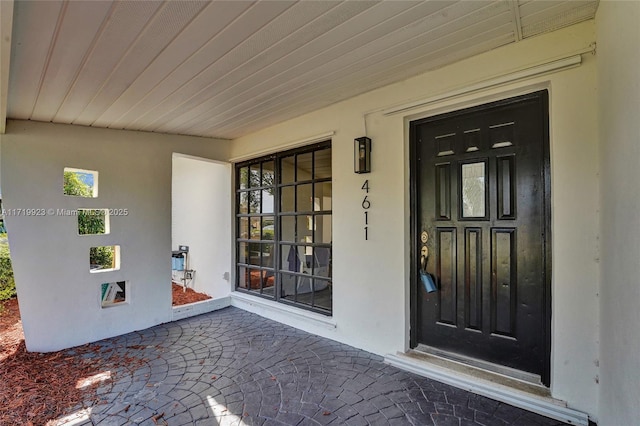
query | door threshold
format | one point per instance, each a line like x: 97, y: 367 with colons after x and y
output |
x: 457, y: 361
x: 519, y: 393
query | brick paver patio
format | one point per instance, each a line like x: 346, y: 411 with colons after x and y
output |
x: 232, y: 367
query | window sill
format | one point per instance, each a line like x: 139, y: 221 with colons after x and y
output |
x: 240, y: 299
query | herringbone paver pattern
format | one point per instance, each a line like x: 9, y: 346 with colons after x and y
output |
x: 232, y: 367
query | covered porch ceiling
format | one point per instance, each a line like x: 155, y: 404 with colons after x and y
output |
x: 224, y: 69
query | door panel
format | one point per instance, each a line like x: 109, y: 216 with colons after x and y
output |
x: 480, y: 189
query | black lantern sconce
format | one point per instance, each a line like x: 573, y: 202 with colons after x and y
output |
x: 362, y: 155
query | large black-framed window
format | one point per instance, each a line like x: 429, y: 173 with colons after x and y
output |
x: 283, y: 227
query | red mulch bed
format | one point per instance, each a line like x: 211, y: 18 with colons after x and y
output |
x: 181, y: 297
x: 38, y: 387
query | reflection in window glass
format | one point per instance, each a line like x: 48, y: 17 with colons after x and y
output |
x: 322, y: 196
x: 243, y: 281
x: 254, y: 202
x: 268, y: 175
x: 243, y: 252
x: 268, y: 228
x: 304, y: 201
x: 255, y: 228
x: 322, y: 261
x: 323, y: 294
x: 243, y: 177
x: 267, y: 201
x: 305, y: 229
x: 243, y: 228
x: 323, y: 164
x: 287, y: 169
x: 287, y: 228
x: 304, y: 170
x: 288, y: 199
x: 473, y: 190
x: 254, y: 176
x: 323, y: 229
x: 267, y: 255
x: 290, y: 258
x: 243, y: 204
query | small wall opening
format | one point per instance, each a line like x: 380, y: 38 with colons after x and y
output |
x: 93, y: 221
x: 104, y: 259
x: 80, y: 183
x: 114, y: 293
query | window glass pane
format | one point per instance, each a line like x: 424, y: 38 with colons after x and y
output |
x: 304, y: 201
x: 254, y: 175
x: 267, y: 228
x: 305, y: 229
x: 268, y: 283
x: 243, y: 228
x: 255, y: 279
x: 323, y: 164
x: 243, y: 252
x: 243, y: 277
x: 271, y: 196
x: 254, y: 202
x: 268, y: 173
x: 287, y: 199
x: 267, y: 201
x: 243, y: 177
x: 267, y: 255
x: 287, y: 169
x: 243, y: 203
x: 291, y: 258
x: 322, y: 196
x: 323, y: 294
x: 323, y: 229
x: 288, y: 286
x: 288, y: 228
x: 255, y: 228
x: 304, y: 290
x: 304, y: 169
x: 254, y: 254
x: 322, y: 261
x: 473, y: 190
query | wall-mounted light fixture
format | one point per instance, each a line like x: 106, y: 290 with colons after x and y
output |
x: 362, y: 155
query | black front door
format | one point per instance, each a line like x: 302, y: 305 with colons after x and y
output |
x: 480, y: 193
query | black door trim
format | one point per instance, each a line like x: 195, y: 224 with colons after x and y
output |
x: 543, y: 97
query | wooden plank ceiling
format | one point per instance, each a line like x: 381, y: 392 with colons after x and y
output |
x: 226, y: 68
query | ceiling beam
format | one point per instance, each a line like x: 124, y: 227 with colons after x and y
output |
x: 6, y: 24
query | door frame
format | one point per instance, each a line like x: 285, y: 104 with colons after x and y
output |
x: 479, y: 105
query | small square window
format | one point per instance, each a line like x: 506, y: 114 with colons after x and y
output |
x: 80, y: 183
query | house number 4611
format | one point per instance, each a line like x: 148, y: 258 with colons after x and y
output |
x: 366, y: 205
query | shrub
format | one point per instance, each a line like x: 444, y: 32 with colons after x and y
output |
x: 7, y: 284
x: 101, y: 257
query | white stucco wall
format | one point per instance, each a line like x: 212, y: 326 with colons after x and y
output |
x: 371, y: 278
x: 202, y: 209
x: 59, y: 299
x: 619, y: 114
